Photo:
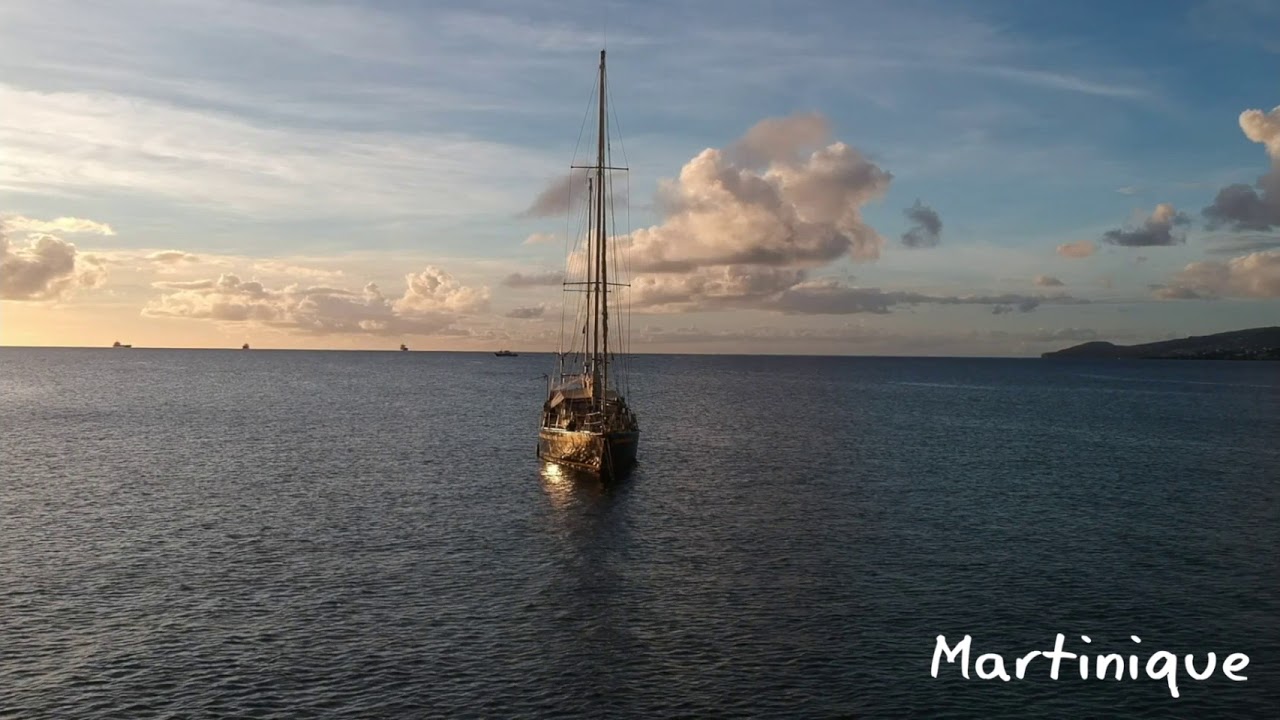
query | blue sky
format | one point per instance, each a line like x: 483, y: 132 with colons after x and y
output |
x: 359, y: 142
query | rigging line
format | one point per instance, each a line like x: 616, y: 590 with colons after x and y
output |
x: 624, y: 323
x: 565, y: 333
x: 586, y: 113
x: 564, y: 300
x: 580, y: 307
x: 613, y: 232
x: 626, y: 268
x: 577, y: 145
x: 621, y: 141
x: 571, y: 234
x: 623, y: 320
x: 626, y: 259
x: 584, y: 262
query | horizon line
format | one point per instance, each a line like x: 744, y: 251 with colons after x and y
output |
x: 518, y: 352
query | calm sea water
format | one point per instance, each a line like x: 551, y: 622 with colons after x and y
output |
x: 341, y: 534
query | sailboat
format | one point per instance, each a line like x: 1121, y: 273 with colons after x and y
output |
x: 586, y: 421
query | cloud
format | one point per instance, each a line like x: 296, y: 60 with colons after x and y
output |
x: 1177, y: 292
x: 855, y: 335
x: 1063, y: 82
x: 780, y: 140
x: 926, y: 231
x: 430, y: 305
x: 197, y: 155
x: 57, y: 225
x: 723, y: 287
x: 1077, y: 249
x: 1048, y: 281
x: 517, y: 280
x: 172, y: 257
x: 1155, y: 230
x: 184, y: 284
x: 434, y: 290
x: 788, y: 291
x: 1256, y: 275
x: 539, y: 239
x: 765, y: 202
x: 1243, y: 244
x: 1062, y: 335
x: 566, y: 193
x: 527, y: 313
x: 285, y: 269
x: 657, y: 334
x: 556, y: 197
x: 46, y: 268
x: 1241, y: 207
x: 830, y: 297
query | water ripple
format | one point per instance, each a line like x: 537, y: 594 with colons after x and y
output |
x: 281, y: 535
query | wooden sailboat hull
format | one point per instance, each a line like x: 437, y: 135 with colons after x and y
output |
x: 603, y: 453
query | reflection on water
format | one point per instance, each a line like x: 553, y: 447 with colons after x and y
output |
x: 590, y: 644
x: 566, y: 487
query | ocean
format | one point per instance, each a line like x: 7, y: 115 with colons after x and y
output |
x: 278, y: 534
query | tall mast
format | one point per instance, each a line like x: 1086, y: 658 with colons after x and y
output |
x: 589, y: 329
x: 601, y: 360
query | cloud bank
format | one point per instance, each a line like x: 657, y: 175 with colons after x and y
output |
x: 1256, y: 275
x: 57, y: 225
x: 527, y: 313
x: 431, y: 304
x: 790, y: 292
x: 172, y: 257
x: 519, y: 280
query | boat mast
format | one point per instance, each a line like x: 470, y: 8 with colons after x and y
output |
x: 601, y: 360
x: 588, y: 327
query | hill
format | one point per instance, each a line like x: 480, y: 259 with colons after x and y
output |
x: 1253, y: 344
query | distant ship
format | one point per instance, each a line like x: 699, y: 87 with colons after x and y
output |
x: 117, y: 344
x: 586, y: 421
x: 506, y: 353
x: 404, y: 348
x: 244, y: 346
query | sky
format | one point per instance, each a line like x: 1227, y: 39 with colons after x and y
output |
x: 909, y: 178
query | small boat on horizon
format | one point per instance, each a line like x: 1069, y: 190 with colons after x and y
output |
x: 404, y: 348
x: 118, y: 344
x: 506, y: 353
x: 244, y: 346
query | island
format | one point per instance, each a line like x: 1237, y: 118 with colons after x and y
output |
x: 1252, y: 344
